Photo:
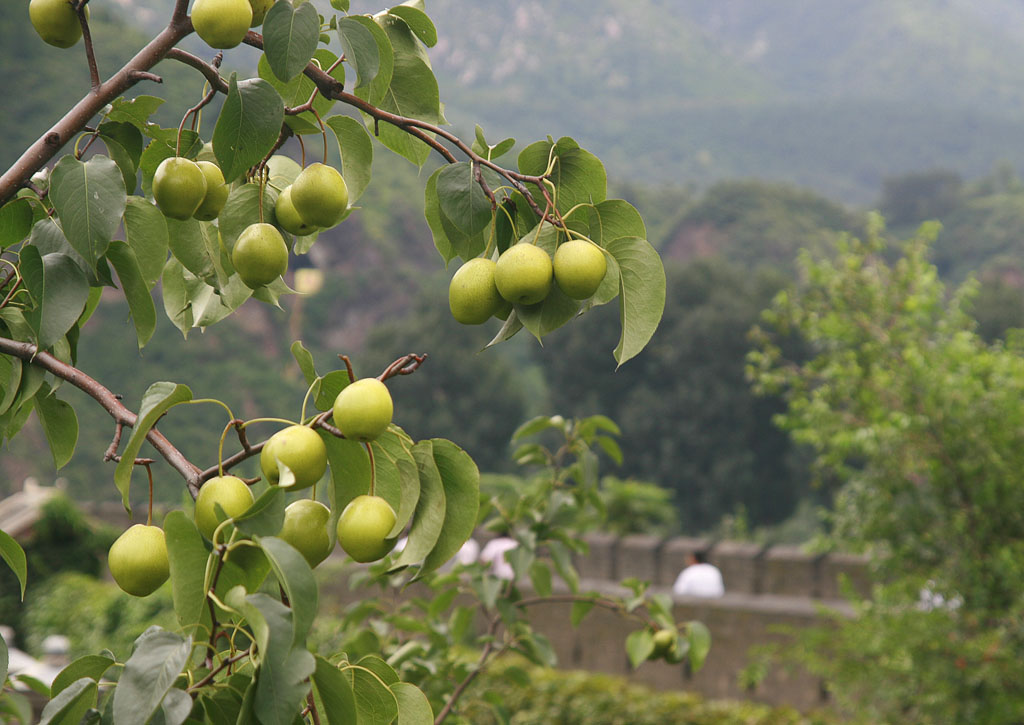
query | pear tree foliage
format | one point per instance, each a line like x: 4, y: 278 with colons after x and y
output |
x: 79, y: 218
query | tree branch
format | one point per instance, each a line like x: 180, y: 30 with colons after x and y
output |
x: 107, y: 400
x: 47, y: 145
x: 90, y: 53
x: 209, y: 70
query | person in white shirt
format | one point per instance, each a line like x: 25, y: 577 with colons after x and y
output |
x: 699, y: 579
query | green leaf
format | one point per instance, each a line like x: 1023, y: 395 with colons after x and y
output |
x: 295, y: 576
x: 462, y: 198
x: 191, y: 245
x: 418, y: 22
x: 145, y: 229
x: 642, y: 293
x: 610, y: 220
x: 461, y: 480
x: 290, y: 36
x: 549, y: 314
x: 433, y: 213
x: 187, y: 555
x: 580, y: 609
x: 70, y: 706
x: 356, y: 154
x: 362, y: 49
x: 341, y: 5
x: 248, y: 125
x: 350, y: 473
x: 242, y: 209
x: 511, y: 326
x: 699, y: 637
x: 330, y: 385
x: 60, y: 424
x: 60, y: 290
x: 13, y: 554
x: 304, y: 359
x: 413, y: 706
x: 124, y: 144
x: 578, y: 175
x: 4, y: 658
x: 412, y: 93
x: 136, y: 291
x: 266, y: 515
x: 336, y: 702
x: 639, y: 646
x: 15, y: 222
x: 540, y: 577
x: 375, y: 702
x: 89, y: 198
x: 429, y: 518
x: 157, y: 660
x: 157, y: 400
x: 175, y: 708
x: 135, y: 111
x: 90, y: 666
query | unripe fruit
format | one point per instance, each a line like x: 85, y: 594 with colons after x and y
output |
x: 305, y: 528
x: 179, y: 187
x: 523, y: 274
x: 287, y: 216
x: 259, y: 11
x: 364, y: 526
x: 664, y: 642
x: 363, y: 409
x: 138, y: 560
x: 472, y: 295
x: 230, y: 492
x: 579, y: 268
x: 320, y: 195
x: 56, y: 21
x: 301, y: 449
x: 216, y: 192
x: 221, y: 23
x: 260, y: 255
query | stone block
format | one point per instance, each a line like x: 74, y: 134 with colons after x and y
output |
x: 740, y: 564
x: 637, y: 555
x: 852, y: 566
x: 789, y: 571
x: 600, y: 562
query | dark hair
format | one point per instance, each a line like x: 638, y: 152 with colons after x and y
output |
x: 701, y: 556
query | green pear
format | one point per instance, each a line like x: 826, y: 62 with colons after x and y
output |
x: 320, y: 195
x: 523, y: 274
x: 579, y: 267
x: 260, y: 255
x: 363, y: 409
x: 216, y: 192
x: 138, y: 560
x: 305, y: 528
x: 288, y: 218
x: 230, y: 493
x: 56, y: 21
x: 221, y: 23
x: 301, y: 449
x: 179, y: 187
x: 364, y: 526
x: 472, y: 295
x: 259, y: 11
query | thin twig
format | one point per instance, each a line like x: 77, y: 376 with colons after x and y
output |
x: 90, y: 54
x: 209, y: 70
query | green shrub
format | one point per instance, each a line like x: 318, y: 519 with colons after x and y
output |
x: 508, y: 694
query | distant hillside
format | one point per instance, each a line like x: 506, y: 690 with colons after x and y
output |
x: 828, y: 94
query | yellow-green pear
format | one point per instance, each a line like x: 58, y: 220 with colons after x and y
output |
x: 230, y: 493
x: 363, y: 409
x: 320, y: 195
x: 216, y: 192
x: 259, y: 11
x: 260, y: 255
x: 305, y: 528
x: 221, y: 23
x: 287, y: 216
x: 523, y: 274
x: 364, y: 526
x: 301, y: 449
x: 179, y: 187
x: 56, y: 21
x: 138, y: 560
x: 472, y: 295
x: 579, y: 267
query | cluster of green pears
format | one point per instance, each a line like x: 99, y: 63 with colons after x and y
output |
x: 363, y: 410
x: 523, y: 275
x: 317, y: 199
x: 666, y: 647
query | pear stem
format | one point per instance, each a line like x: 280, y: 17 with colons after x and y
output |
x: 373, y: 470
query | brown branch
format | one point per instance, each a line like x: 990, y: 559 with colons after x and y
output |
x: 468, y: 680
x: 46, y: 146
x: 107, y: 400
x: 405, y: 365
x: 217, y: 670
x: 209, y: 70
x: 90, y: 54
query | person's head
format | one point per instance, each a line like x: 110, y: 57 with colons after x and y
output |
x: 697, y: 557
